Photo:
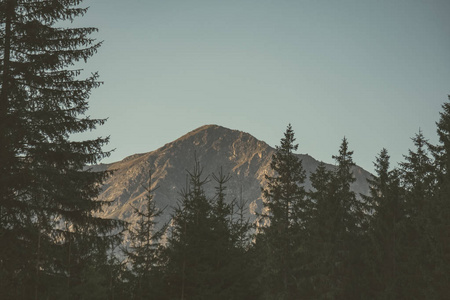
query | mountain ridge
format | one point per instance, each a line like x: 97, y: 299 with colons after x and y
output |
x: 238, y: 153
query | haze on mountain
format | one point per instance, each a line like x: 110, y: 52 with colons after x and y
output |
x: 243, y: 156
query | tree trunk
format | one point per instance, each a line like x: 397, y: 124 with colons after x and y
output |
x: 4, y: 161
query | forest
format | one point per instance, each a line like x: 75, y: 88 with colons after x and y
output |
x: 321, y: 243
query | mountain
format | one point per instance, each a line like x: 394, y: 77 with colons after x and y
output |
x: 246, y: 158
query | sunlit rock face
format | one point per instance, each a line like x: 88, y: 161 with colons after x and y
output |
x: 244, y: 157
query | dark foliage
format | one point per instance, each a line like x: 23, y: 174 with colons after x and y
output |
x: 205, y: 254
x: 325, y: 243
x: 52, y: 243
x: 282, y: 236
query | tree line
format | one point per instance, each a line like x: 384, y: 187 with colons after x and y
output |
x: 322, y: 243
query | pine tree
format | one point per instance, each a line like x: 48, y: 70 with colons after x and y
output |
x: 338, y: 217
x: 418, y: 176
x: 350, y: 223
x: 441, y: 152
x: 115, y: 272
x: 232, y: 272
x: 440, y: 206
x: 385, y: 203
x: 44, y: 186
x: 222, y: 244
x: 207, y: 245
x: 350, y: 209
x: 143, y: 252
x: 418, y: 181
x: 319, y: 244
x: 285, y: 205
x: 188, y: 267
x: 441, y: 211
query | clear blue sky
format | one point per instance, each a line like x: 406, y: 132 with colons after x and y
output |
x: 373, y: 71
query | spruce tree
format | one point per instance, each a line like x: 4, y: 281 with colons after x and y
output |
x: 441, y: 152
x: 188, y: 267
x: 418, y: 176
x: 338, y: 217
x: 319, y: 245
x: 385, y: 204
x: 222, y: 242
x: 205, y: 257
x: 46, y: 194
x: 441, y: 209
x: 232, y: 272
x: 349, y: 222
x: 143, y: 253
x: 418, y: 181
x: 285, y: 206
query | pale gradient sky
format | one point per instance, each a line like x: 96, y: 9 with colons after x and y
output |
x: 373, y: 71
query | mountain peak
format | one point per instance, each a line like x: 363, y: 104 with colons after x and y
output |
x: 238, y: 153
x: 210, y: 128
x: 214, y: 136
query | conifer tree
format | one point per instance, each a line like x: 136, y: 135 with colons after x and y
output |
x: 285, y: 205
x: 350, y: 222
x: 350, y: 210
x: 43, y: 183
x: 143, y: 252
x: 242, y: 226
x: 188, y: 266
x: 319, y: 244
x: 418, y: 176
x: 418, y: 180
x: 230, y: 244
x: 338, y: 218
x: 441, y: 208
x: 205, y: 253
x: 441, y: 152
x: 117, y: 276
x: 222, y: 242
x: 385, y: 203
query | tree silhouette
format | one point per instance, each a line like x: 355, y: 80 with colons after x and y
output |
x: 47, y: 196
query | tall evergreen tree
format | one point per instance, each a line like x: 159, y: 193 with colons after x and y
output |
x: 338, y: 217
x: 385, y: 203
x: 44, y: 187
x: 143, y: 252
x: 285, y: 206
x: 188, y: 266
x: 205, y: 254
x: 441, y: 210
x: 232, y: 273
x: 417, y: 175
x: 350, y: 223
x: 441, y: 152
x: 319, y: 244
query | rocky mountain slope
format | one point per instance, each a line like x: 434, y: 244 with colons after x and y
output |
x: 246, y: 158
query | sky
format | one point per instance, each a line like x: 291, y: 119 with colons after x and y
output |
x: 375, y: 72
